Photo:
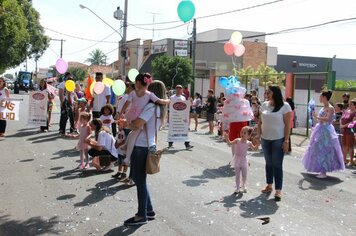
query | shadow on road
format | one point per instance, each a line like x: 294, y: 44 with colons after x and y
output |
x: 258, y: 206
x: 122, y: 230
x: 66, y: 153
x: 66, y: 197
x: 220, y: 172
x: 228, y: 201
x: 101, y: 191
x: 32, y: 226
x: 23, y: 134
x: 76, y: 173
x: 310, y: 182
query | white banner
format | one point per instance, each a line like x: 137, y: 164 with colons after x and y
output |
x: 37, y: 112
x: 178, y: 121
x: 9, y: 109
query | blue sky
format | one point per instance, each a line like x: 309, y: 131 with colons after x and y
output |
x: 67, y: 17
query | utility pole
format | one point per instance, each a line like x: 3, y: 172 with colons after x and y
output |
x: 194, y: 52
x: 123, y: 46
x: 61, y: 40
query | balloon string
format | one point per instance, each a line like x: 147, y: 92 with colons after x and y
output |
x: 234, y: 70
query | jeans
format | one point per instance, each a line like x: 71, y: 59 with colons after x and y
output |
x: 273, y: 152
x: 2, y: 126
x: 138, y: 170
x: 66, y: 112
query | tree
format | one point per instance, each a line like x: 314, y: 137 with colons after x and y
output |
x: 79, y: 73
x: 97, y: 57
x: 172, y: 70
x: 269, y: 76
x: 244, y: 74
x: 21, y: 34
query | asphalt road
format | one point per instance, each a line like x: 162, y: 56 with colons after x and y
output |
x: 41, y: 193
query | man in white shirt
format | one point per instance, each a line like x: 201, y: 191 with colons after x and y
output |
x: 67, y: 109
x: 178, y: 96
x: 99, y: 100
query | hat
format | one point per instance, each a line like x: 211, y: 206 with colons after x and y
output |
x: 179, y: 86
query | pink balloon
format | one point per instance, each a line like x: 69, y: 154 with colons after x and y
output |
x: 229, y: 48
x: 61, y: 66
x: 239, y: 50
x: 99, y: 87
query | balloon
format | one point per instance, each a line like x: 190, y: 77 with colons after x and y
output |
x: 132, y: 74
x: 70, y: 85
x: 107, y: 81
x: 239, y: 50
x: 99, y: 87
x: 119, y: 87
x: 61, y: 66
x: 186, y: 10
x: 91, y: 89
x: 236, y: 38
x: 229, y: 48
x: 224, y: 82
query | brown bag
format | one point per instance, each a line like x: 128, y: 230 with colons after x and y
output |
x: 153, y: 158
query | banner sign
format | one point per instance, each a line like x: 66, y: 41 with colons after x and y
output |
x: 37, y: 112
x: 9, y: 109
x: 178, y: 121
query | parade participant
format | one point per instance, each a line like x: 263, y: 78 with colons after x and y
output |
x: 345, y: 100
x: 239, y: 160
x: 67, y: 100
x: 103, y: 146
x: 43, y: 88
x: 82, y: 146
x: 196, y: 108
x: 221, y: 98
x: 78, y: 90
x: 120, y: 140
x: 137, y: 101
x: 324, y: 153
x: 4, y: 93
x: 178, y: 96
x: 274, y: 130
x: 348, y: 138
x: 151, y: 117
x: 210, y: 110
x: 99, y: 100
x: 336, y: 123
x: 106, y: 115
x: 82, y: 106
x: 186, y: 93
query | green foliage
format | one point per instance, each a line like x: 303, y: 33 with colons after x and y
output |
x: 21, y: 33
x: 244, y: 74
x: 97, y: 57
x: 172, y: 70
x: 79, y: 73
x: 345, y: 85
x: 269, y: 76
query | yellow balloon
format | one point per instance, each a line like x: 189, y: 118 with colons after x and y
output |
x: 107, y: 81
x: 92, y: 88
x: 236, y: 38
x: 70, y: 85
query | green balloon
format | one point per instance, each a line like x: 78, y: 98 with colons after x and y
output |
x: 132, y: 74
x: 119, y: 87
x: 186, y: 10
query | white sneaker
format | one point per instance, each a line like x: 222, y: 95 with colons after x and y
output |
x: 321, y: 176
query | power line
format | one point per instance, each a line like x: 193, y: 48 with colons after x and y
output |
x: 217, y: 14
x: 77, y: 37
x: 161, y: 29
x: 81, y: 50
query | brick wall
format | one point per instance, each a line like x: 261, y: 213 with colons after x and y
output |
x: 255, y: 54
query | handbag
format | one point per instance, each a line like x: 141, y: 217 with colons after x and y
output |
x: 153, y: 156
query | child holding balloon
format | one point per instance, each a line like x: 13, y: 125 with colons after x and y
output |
x: 137, y: 100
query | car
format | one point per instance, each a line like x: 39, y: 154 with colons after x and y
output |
x: 9, y: 84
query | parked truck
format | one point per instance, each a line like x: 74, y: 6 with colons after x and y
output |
x: 23, y: 82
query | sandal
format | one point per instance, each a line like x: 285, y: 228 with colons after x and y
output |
x: 267, y: 189
x: 278, y: 197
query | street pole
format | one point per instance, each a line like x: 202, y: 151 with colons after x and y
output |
x: 194, y: 52
x: 61, y: 40
x: 123, y: 47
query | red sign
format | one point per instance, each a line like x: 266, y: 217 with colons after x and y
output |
x: 179, y: 106
x: 38, y: 96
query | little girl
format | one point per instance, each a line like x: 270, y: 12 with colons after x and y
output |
x: 239, y: 162
x: 138, y: 99
x: 106, y: 116
x: 120, y: 140
x: 82, y: 146
x: 81, y: 107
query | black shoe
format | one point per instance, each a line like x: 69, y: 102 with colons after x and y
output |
x: 151, y: 215
x: 117, y: 175
x: 133, y: 222
x: 189, y: 147
x: 122, y: 176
